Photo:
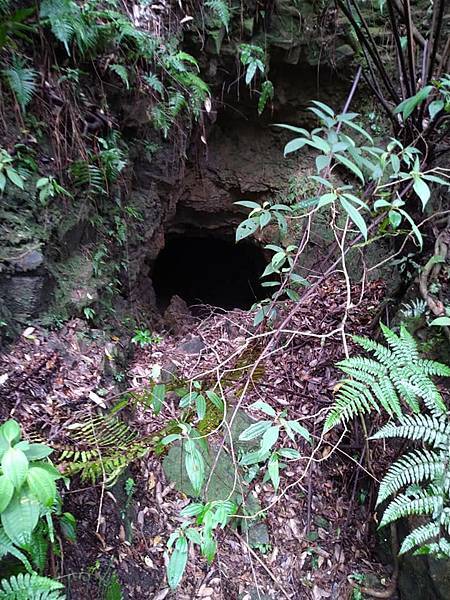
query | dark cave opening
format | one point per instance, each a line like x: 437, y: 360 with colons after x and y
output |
x: 203, y: 269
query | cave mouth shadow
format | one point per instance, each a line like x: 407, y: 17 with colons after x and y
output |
x: 203, y: 269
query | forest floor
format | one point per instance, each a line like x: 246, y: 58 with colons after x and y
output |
x: 320, y: 524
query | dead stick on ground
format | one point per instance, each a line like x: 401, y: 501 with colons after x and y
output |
x: 263, y: 564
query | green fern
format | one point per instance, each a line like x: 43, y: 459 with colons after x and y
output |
x: 102, y: 446
x: 420, y: 482
x: 221, y: 11
x: 88, y: 177
x: 64, y: 18
x: 22, y: 82
x: 30, y: 587
x: 395, y: 377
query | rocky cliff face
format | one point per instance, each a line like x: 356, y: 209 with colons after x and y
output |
x: 58, y: 260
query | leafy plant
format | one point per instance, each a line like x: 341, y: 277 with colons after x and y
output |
x: 30, y: 587
x: 21, y: 81
x: 48, y: 188
x: 420, y: 482
x: 208, y: 517
x: 221, y: 10
x: 143, y: 337
x: 397, y: 377
x: 269, y: 431
x: 27, y: 488
x: 9, y: 172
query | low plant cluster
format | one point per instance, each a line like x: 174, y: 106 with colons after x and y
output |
x: 30, y: 505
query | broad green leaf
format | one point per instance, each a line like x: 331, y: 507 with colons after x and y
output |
x: 2, y: 182
x: 192, y: 510
x: 289, y: 453
x: 422, y: 190
x: 6, y: 492
x: 435, y: 107
x: 304, y: 132
x: 395, y: 218
x: 324, y: 107
x: 246, y: 228
x: 327, y: 198
x: 200, y: 404
x: 15, y: 466
x: 37, y: 451
x: 264, y: 407
x: 264, y: 218
x: 51, y: 470
x: 188, y: 399
x: 295, y: 145
x: 350, y: 166
x: 42, y: 485
x: 354, y: 216
x: 269, y: 438
x: 68, y: 525
x: 248, y: 204
x: 193, y: 535
x: 413, y: 226
x: 168, y: 439
x: 409, y: 104
x: 299, y: 280
x: 11, y: 431
x: 195, y: 466
x: 251, y: 458
x: 254, y: 431
x: 21, y: 517
x: 442, y: 321
x: 319, y: 143
x: 209, y: 548
x: 157, y: 398
x: 177, y: 563
x: 273, y: 468
x: 215, y: 399
x: 322, y: 162
x: 295, y: 425
x: 14, y: 176
x: 251, y: 70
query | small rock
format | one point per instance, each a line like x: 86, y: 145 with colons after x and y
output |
x: 192, y: 346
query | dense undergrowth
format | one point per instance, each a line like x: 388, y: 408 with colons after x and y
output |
x: 64, y: 66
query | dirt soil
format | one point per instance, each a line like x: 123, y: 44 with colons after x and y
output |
x: 320, y: 523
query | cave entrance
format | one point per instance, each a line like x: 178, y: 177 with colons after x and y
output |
x: 203, y: 269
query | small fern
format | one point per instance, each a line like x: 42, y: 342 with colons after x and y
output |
x: 22, y: 82
x: 221, y: 11
x: 88, y: 177
x: 30, y: 587
x: 102, y: 446
x: 395, y: 377
x: 420, y: 482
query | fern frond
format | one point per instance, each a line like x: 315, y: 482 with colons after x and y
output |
x: 419, y: 537
x: 426, y: 428
x: 87, y: 176
x: 30, y: 587
x: 221, y: 11
x: 404, y: 506
x: 404, y: 346
x: 121, y: 72
x: 381, y: 353
x: 64, y: 18
x: 394, y: 376
x: 413, y: 468
x: 22, y: 81
x: 432, y: 367
x: 102, y: 446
